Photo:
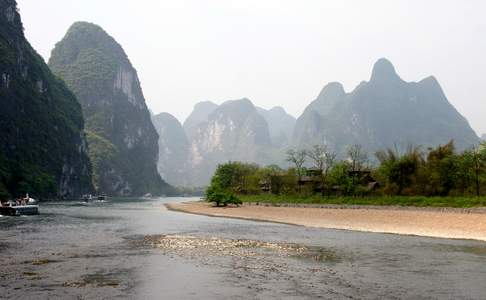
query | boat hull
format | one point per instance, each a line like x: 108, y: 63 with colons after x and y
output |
x: 19, y: 210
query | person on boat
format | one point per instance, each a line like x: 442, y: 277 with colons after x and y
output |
x: 25, y: 200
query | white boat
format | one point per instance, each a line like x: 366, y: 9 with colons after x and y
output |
x: 19, y: 210
x: 87, y: 197
x: 30, y: 201
x: 101, y: 197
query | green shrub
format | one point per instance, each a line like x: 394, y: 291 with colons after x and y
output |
x: 221, y: 197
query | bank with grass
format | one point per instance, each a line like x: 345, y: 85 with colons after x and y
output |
x: 413, y: 201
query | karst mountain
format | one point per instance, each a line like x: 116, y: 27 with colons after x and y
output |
x: 384, y: 112
x: 122, y: 141
x: 42, y: 142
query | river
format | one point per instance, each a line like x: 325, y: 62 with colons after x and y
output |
x: 105, y: 250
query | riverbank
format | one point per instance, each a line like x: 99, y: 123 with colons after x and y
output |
x: 412, y: 201
x: 452, y: 223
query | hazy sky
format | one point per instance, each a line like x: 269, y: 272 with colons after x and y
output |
x: 279, y: 52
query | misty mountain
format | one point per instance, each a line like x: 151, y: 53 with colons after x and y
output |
x: 280, y: 125
x: 234, y: 131
x: 199, y: 114
x: 383, y: 112
x: 173, y: 149
x: 42, y: 143
x: 212, y: 134
x: 123, y: 143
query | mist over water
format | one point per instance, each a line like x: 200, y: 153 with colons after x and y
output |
x: 100, y: 249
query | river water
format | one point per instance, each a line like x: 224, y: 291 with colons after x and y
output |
x: 107, y: 250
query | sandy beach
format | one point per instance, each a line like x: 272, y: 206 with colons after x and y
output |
x: 454, y: 224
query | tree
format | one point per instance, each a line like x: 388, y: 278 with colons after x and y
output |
x: 323, y: 160
x: 298, y: 159
x: 339, y: 177
x: 221, y: 197
x: 442, y: 169
x: 233, y: 176
x: 357, y: 157
x: 260, y: 178
x: 398, y: 171
x: 472, y: 167
x: 479, y: 165
x: 465, y: 178
x: 228, y: 179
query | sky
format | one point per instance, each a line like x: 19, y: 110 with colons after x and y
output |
x: 278, y: 52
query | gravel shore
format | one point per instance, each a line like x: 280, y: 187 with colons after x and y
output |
x: 454, y: 224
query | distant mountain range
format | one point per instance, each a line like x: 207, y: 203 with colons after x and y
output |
x: 382, y: 113
x: 385, y: 112
x: 235, y: 130
x: 124, y: 151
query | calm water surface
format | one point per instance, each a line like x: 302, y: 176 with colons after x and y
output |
x: 96, y: 250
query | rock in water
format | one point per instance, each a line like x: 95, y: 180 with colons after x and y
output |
x: 173, y: 149
x: 121, y: 138
x: 42, y: 143
x: 384, y: 112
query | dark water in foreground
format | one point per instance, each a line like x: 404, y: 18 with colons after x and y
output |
x: 75, y: 251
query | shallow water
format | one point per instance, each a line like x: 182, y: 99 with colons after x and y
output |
x: 79, y: 251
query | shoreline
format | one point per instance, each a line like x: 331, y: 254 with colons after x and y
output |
x: 477, y: 210
x: 446, y: 223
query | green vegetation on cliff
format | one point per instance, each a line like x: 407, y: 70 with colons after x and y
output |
x: 123, y: 143
x: 42, y: 145
x: 102, y: 154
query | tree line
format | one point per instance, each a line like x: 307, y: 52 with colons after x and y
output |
x: 437, y: 171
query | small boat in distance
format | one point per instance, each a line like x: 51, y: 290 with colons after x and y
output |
x: 87, y: 197
x: 101, y: 197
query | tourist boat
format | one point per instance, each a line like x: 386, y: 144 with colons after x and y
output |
x: 87, y: 197
x: 101, y: 197
x: 19, y: 210
x: 27, y: 207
